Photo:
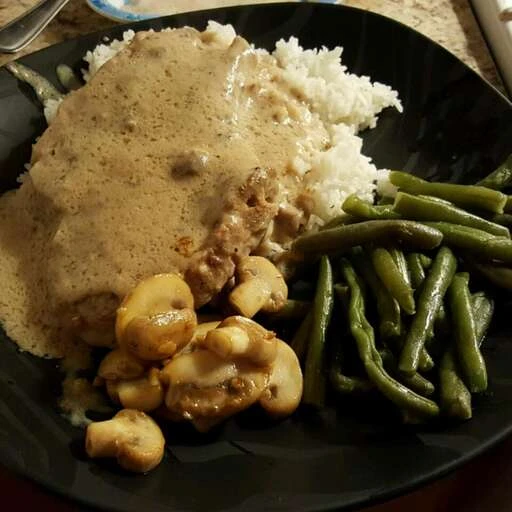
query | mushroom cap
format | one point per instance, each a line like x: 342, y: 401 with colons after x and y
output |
x: 202, y: 330
x: 206, y: 389
x: 119, y: 364
x: 157, y: 337
x: 131, y: 436
x: 144, y: 394
x: 284, y: 390
x: 226, y: 341
x: 260, y: 268
x: 157, y: 294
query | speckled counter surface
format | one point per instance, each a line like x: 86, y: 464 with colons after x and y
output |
x: 449, y: 22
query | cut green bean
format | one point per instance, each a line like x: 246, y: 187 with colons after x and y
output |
x: 401, y: 262
x: 505, y: 219
x: 454, y: 396
x: 385, y: 200
x: 342, y: 238
x: 483, y: 309
x: 360, y: 209
x: 340, y: 220
x: 342, y: 383
x: 416, y: 382
x: 466, y: 343
x: 475, y: 242
x: 425, y: 261
x: 393, y: 280
x: 500, y: 178
x: 396, y: 343
x: 425, y: 209
x: 471, y: 197
x: 299, y: 342
x: 314, y: 374
x: 363, y: 333
x: 508, y: 205
x: 42, y: 87
x: 428, y: 304
x: 349, y: 385
x: 387, y: 307
x: 342, y: 292
x: 68, y: 78
x: 416, y: 270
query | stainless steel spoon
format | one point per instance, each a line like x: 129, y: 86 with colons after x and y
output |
x: 23, y: 30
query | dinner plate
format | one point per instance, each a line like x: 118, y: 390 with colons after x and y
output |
x: 455, y: 127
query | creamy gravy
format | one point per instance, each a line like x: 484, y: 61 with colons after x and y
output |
x: 132, y: 176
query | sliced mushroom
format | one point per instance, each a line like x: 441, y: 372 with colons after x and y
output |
x: 120, y: 364
x: 205, y: 389
x: 260, y: 287
x: 131, y: 436
x: 284, y: 390
x: 202, y: 330
x: 144, y: 394
x: 239, y: 337
x: 157, y: 318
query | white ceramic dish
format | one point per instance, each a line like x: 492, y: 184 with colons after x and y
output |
x: 137, y: 10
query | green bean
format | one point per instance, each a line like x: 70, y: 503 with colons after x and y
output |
x: 425, y: 364
x: 342, y: 292
x: 292, y: 309
x: 429, y: 302
x: 416, y: 382
x: 342, y: 238
x: 508, y: 205
x: 387, y: 306
x: 466, y: 196
x: 385, y: 200
x: 424, y: 208
x: 426, y: 262
x: 416, y: 270
x: 299, y: 342
x: 363, y: 333
x: 401, y: 262
x: 500, y: 178
x: 340, y: 220
x: 483, y: 309
x: 314, y: 376
x: 342, y: 383
x: 498, y: 275
x: 474, y: 241
x: 360, y: 209
x: 454, y: 396
x: 68, y: 78
x: 466, y: 343
x: 393, y: 279
x: 504, y: 219
x: 42, y: 87
x: 348, y: 385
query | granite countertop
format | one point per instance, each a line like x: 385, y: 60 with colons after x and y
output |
x: 449, y: 22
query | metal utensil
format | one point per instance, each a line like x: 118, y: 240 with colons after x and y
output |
x: 23, y: 30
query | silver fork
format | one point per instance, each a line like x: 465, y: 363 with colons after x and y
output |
x: 23, y: 30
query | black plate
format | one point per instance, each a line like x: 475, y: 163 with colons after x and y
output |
x: 455, y: 127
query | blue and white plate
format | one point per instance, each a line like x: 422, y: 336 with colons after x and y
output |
x: 128, y: 10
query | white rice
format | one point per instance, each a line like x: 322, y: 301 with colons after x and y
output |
x: 346, y: 103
